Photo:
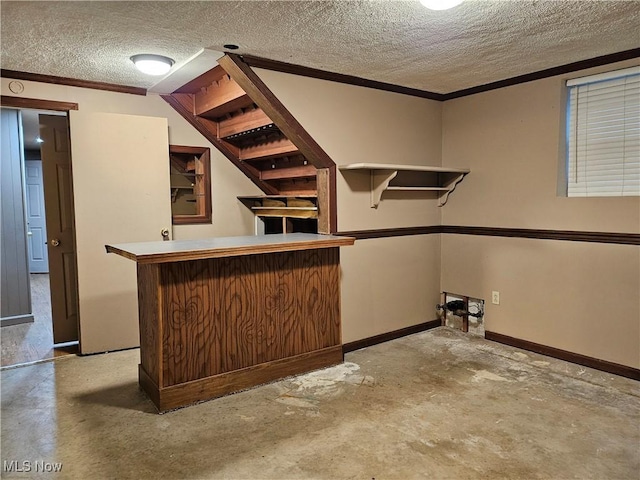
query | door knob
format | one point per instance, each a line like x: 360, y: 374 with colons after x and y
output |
x: 55, y: 242
x: 165, y: 233
x: 29, y: 234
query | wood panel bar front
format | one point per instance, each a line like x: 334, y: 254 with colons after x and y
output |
x: 214, y: 326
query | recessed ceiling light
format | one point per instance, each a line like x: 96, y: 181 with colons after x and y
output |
x: 231, y: 46
x: 152, y: 64
x: 440, y: 4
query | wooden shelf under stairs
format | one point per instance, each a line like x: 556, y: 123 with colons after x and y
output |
x: 233, y: 119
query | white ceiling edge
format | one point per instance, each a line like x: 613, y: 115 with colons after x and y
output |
x: 184, y: 72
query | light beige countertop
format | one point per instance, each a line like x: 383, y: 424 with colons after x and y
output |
x: 217, y: 247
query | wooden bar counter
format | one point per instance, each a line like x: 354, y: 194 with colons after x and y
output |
x: 224, y: 314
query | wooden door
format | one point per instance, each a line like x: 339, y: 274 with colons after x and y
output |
x: 58, y: 197
x: 121, y: 195
x: 36, y: 223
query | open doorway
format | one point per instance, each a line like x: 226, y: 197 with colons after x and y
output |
x: 30, y: 335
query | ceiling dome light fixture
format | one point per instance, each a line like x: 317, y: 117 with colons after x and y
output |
x: 152, y: 64
x: 440, y: 4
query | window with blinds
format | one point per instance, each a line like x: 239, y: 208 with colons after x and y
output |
x: 603, y: 135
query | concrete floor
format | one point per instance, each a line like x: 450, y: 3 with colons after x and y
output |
x: 440, y: 405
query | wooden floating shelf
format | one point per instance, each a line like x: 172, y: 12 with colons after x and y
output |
x: 261, y: 197
x: 417, y: 178
x: 287, y: 206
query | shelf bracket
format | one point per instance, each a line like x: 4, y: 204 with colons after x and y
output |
x: 380, y: 180
x: 445, y: 196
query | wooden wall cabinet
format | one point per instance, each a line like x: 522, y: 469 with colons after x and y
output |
x: 190, y: 184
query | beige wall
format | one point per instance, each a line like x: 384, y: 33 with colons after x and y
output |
x: 107, y: 288
x: 356, y: 124
x: 570, y: 295
x: 230, y: 217
x: 390, y: 283
x: 575, y: 296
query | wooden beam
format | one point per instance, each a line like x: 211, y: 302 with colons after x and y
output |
x: 322, y: 181
x: 268, y: 150
x: 327, y: 207
x: 209, y: 130
x: 186, y: 100
x: 267, y: 101
x: 289, y: 172
x: 333, y: 199
x: 20, y: 102
x: 72, y: 82
x: 220, y: 98
x: 249, y: 120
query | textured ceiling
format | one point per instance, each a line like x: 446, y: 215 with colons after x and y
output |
x: 398, y: 42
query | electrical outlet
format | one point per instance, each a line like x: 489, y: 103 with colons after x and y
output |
x: 495, y: 298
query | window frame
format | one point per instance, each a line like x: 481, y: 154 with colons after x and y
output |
x: 571, y: 159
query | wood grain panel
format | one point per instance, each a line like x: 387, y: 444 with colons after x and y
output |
x: 226, y: 383
x: 331, y: 276
x: 226, y: 314
x: 148, y: 311
x: 272, y: 346
x: 289, y: 310
x: 241, y: 314
x: 186, y: 325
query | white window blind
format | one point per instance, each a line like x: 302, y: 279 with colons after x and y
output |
x: 603, y: 135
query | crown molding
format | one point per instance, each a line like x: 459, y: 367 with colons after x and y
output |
x: 72, y: 82
x: 294, y: 69
x: 277, y: 66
